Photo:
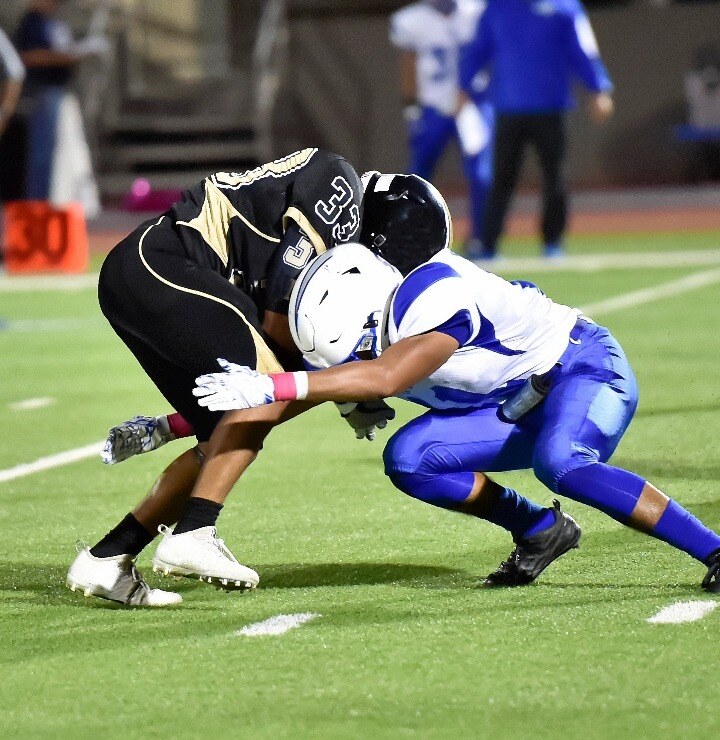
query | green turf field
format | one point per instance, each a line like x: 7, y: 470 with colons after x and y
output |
x: 405, y: 644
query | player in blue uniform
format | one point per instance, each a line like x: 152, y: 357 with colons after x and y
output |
x: 512, y: 380
x: 429, y: 35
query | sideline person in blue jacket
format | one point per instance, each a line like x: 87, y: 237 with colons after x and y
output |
x: 534, y: 50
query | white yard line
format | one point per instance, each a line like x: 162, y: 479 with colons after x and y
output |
x: 655, y: 293
x: 30, y: 404
x: 597, y: 262
x: 45, y: 283
x: 53, y: 461
x: 683, y: 611
x: 278, y: 625
x: 571, y: 263
x: 610, y: 305
x: 52, y: 325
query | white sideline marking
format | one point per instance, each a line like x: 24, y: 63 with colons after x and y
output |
x: 52, y: 325
x: 609, y: 261
x: 278, y: 625
x: 628, y: 300
x: 647, y: 295
x: 579, y: 263
x: 53, y: 461
x: 19, y: 284
x: 31, y: 403
x: 683, y: 611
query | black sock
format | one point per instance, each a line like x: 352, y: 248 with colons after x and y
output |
x: 128, y: 538
x: 196, y: 513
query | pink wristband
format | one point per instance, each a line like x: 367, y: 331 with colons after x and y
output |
x: 290, y: 386
x: 179, y: 426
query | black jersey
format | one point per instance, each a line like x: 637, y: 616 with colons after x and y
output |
x: 236, y: 221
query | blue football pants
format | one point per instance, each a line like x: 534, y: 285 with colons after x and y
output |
x: 591, y: 403
x: 428, y: 138
x: 567, y: 441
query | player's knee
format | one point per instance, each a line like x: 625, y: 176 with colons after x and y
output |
x: 405, y: 482
x: 418, y: 485
x: 401, y: 457
x: 552, y: 462
x: 400, y: 453
x: 403, y: 464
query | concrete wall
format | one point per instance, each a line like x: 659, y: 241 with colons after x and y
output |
x: 648, y: 51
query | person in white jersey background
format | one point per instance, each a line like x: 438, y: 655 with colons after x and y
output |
x: 429, y: 35
x: 511, y: 379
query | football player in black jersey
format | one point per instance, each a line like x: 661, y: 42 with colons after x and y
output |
x: 211, y: 278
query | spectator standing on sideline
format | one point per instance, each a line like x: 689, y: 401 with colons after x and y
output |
x: 429, y: 35
x: 58, y: 165
x: 533, y: 50
x: 12, y: 74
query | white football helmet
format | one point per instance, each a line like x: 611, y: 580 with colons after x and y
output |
x: 337, y: 305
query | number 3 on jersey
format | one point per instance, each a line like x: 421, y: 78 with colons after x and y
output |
x: 298, y: 255
x: 330, y: 210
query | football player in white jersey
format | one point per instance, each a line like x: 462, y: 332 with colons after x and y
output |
x: 429, y: 35
x: 511, y: 379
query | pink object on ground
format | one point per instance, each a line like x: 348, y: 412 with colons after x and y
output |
x: 143, y: 198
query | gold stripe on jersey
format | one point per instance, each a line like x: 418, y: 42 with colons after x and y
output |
x: 266, y: 360
x: 213, y: 221
x: 276, y: 168
x: 295, y: 214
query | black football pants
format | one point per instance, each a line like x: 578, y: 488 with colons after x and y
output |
x: 178, y: 316
x: 546, y: 133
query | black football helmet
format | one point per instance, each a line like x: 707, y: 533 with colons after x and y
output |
x: 405, y: 219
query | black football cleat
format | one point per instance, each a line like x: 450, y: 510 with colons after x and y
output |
x: 711, y: 582
x: 533, y: 554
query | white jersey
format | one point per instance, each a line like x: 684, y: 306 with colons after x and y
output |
x: 508, y: 331
x: 11, y: 68
x: 435, y: 39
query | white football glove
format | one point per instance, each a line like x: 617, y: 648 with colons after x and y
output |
x: 473, y: 133
x: 366, y: 417
x: 238, y: 387
x: 134, y: 437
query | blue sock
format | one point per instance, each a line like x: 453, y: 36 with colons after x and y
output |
x: 511, y: 511
x: 612, y: 490
x: 616, y: 492
x: 520, y: 516
x: 546, y: 521
x: 681, y: 529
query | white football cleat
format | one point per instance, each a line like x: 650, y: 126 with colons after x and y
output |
x: 116, y: 579
x: 201, y: 554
